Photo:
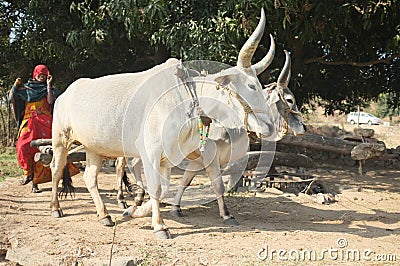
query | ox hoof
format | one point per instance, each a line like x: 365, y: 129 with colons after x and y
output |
x: 177, y: 213
x: 163, y: 234
x: 129, y: 211
x: 57, y: 213
x: 231, y: 221
x: 123, y: 205
x: 106, y: 221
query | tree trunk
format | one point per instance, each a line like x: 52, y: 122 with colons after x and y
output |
x: 3, y: 131
x: 278, y: 159
x: 318, y: 142
x: 268, y: 159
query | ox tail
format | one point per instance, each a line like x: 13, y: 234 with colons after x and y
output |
x: 67, y: 187
x: 128, y: 184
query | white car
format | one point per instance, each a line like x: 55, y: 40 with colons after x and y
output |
x: 363, y: 118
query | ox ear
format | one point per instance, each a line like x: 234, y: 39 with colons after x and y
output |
x: 271, y: 95
x: 225, y: 79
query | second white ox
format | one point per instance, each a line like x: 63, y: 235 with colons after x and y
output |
x: 153, y: 106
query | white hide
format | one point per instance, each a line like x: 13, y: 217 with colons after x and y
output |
x: 153, y: 107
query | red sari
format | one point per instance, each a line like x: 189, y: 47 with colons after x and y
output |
x: 36, y: 124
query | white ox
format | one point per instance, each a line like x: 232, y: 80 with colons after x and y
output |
x: 226, y: 146
x: 153, y: 106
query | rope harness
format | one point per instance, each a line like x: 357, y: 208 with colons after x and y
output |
x: 203, y: 120
x: 246, y: 107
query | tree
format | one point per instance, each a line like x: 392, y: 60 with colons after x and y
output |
x: 344, y: 52
x: 385, y: 106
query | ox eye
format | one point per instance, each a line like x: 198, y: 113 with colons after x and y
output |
x: 289, y: 101
x: 252, y: 86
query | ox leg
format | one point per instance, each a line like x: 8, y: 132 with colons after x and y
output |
x: 159, y: 227
x: 120, y: 164
x: 93, y: 166
x: 157, y: 178
x: 138, y: 211
x: 214, y: 173
x: 186, y: 180
x: 153, y: 205
x: 158, y: 183
x: 137, y: 172
x: 57, y: 168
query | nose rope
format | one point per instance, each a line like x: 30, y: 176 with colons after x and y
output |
x: 288, y: 110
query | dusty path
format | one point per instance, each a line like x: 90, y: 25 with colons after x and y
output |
x: 366, y: 217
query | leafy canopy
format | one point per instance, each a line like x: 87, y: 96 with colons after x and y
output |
x: 344, y: 52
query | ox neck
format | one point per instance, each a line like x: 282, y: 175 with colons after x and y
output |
x: 221, y: 104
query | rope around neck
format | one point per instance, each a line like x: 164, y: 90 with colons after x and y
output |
x: 203, y: 120
x: 246, y: 107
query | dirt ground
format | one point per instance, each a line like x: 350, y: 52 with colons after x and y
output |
x: 361, y: 228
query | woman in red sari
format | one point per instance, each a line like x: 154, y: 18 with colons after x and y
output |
x: 32, y: 104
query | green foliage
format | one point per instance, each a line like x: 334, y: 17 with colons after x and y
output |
x: 386, y: 107
x: 344, y: 53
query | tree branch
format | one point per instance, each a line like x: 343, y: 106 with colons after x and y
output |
x: 321, y: 60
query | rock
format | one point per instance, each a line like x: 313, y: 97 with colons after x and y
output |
x: 365, y: 151
x: 364, y: 132
x: 325, y: 198
x: 273, y: 191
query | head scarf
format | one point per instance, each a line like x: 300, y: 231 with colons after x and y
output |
x: 40, y: 69
x: 33, y: 91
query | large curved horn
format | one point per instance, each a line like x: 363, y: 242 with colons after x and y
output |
x: 288, y: 76
x: 284, y: 76
x: 267, y: 60
x: 248, y: 49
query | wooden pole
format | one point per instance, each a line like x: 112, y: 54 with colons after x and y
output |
x: 45, y: 158
x: 40, y: 142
